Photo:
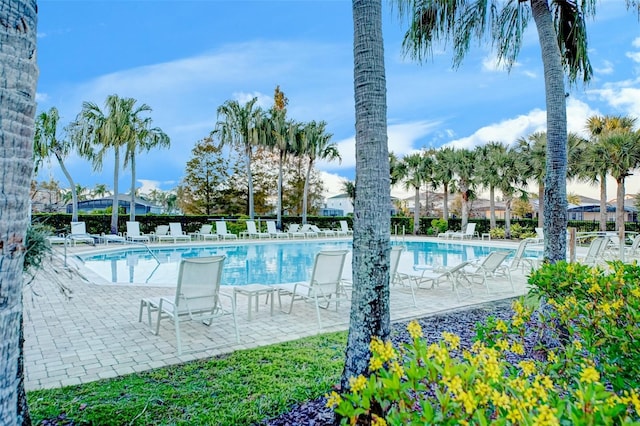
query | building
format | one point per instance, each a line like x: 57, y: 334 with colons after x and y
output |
x: 142, y: 206
x: 338, y: 205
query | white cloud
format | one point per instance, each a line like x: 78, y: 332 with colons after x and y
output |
x: 624, y: 96
x: 607, y: 68
x: 636, y: 42
x: 634, y: 56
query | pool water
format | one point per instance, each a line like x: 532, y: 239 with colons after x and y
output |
x: 265, y: 263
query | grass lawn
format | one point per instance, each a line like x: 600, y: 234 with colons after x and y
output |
x: 241, y: 388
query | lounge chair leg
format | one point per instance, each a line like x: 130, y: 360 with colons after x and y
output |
x: 177, y: 323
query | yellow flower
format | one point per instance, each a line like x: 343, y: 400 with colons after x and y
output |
x: 517, y: 321
x: 514, y: 416
x: 631, y: 397
x: 552, y: 357
x: 415, y: 331
x: 452, y: 340
x: 483, y: 391
x: 545, y: 381
x: 500, y: 399
x: 356, y: 384
x: 528, y: 367
x: 636, y: 292
x: 502, y: 344
x: 577, y: 344
x: 396, y: 369
x: 333, y: 400
x: 606, y: 308
x: 546, y: 416
x: 517, y: 348
x: 589, y: 375
x: 595, y: 288
x: 375, y: 363
x: 517, y: 383
x: 492, y: 369
x: 469, y: 402
x: 378, y: 421
x: 501, y: 326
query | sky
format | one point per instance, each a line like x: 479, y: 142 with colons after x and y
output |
x: 186, y: 58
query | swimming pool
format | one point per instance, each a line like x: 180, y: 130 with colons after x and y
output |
x: 265, y: 263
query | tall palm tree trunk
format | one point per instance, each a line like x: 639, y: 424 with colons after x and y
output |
x: 541, y: 204
x: 132, y: 200
x: 445, y: 201
x: 372, y: 218
x: 19, y: 72
x: 492, y: 207
x: 250, y: 182
x: 305, y: 192
x: 114, y: 205
x: 555, y: 188
x: 620, y: 207
x: 603, y: 203
x: 416, y: 211
x: 74, y: 194
x: 279, y: 207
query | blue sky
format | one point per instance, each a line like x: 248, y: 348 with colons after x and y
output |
x: 185, y: 58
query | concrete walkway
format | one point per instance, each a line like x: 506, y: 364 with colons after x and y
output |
x: 94, y: 333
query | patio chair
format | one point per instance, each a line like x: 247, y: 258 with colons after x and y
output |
x: 134, y: 234
x: 204, y: 233
x: 294, y: 231
x: 324, y: 286
x: 539, y: 234
x: 323, y: 232
x: 520, y: 259
x: 344, y: 228
x: 436, y: 275
x: 394, y: 276
x: 221, y: 231
x: 308, y: 231
x: 273, y: 231
x: 197, y: 297
x: 595, y: 252
x: 79, y: 234
x: 175, y: 233
x: 161, y: 230
x: 469, y: 232
x: 252, y: 231
x: 492, y: 266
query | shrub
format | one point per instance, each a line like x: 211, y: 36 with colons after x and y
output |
x: 601, y: 308
x: 497, y: 233
x: 440, y: 225
x: 446, y: 384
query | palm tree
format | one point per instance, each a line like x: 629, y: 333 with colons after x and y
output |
x: 17, y: 108
x: 510, y: 179
x: 46, y: 142
x: 144, y: 139
x: 563, y: 45
x: 533, y: 151
x: 349, y: 187
x: 412, y: 171
x: 443, y: 175
x: 236, y: 126
x: 100, y: 190
x: 596, y: 163
x: 372, y: 219
x: 82, y: 191
x: 316, y: 146
x: 489, y: 157
x: 465, y: 179
x: 96, y: 132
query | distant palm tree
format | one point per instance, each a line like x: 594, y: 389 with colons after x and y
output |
x: 100, y: 190
x: 412, y: 170
x: 490, y: 156
x: 145, y: 139
x: 349, y: 187
x: 465, y: 179
x: 236, y: 126
x: 82, y: 191
x: 46, y: 142
x: 510, y: 179
x: 316, y: 145
x: 533, y: 151
x: 443, y: 175
x: 96, y: 132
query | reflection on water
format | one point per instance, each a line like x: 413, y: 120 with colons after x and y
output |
x: 265, y: 263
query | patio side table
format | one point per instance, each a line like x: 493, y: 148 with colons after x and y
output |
x: 254, y: 291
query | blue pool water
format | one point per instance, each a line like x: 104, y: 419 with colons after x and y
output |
x: 265, y: 263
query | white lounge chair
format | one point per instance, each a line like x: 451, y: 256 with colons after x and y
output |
x: 394, y: 276
x: 324, y: 286
x: 197, y: 297
x: 79, y: 234
x: 492, y: 266
x: 344, y: 228
x: 134, y: 234
x: 252, y: 231
x: 294, y: 231
x: 175, y: 234
x: 520, y: 259
x: 469, y: 232
x: 308, y: 231
x: 161, y: 230
x: 539, y: 234
x: 221, y: 231
x: 273, y: 231
x: 595, y: 252
x: 204, y: 233
x: 323, y: 232
x: 436, y: 275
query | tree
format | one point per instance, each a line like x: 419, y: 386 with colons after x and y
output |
x: 100, y: 190
x: 533, y: 150
x: 372, y: 218
x: 562, y: 37
x: 596, y: 162
x: 206, y: 176
x: 236, y: 126
x: 144, y: 139
x: 349, y: 187
x: 316, y: 146
x: 47, y: 142
x: 489, y: 157
x: 443, y: 175
x: 19, y: 71
x: 465, y: 179
x: 412, y: 171
x: 96, y: 132
x: 511, y: 178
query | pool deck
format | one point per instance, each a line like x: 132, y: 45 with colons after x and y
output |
x: 95, y: 334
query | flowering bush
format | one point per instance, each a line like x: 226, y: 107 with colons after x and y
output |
x: 491, y: 382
